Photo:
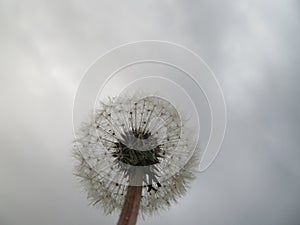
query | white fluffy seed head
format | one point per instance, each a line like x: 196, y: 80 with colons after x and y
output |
x: 130, y: 133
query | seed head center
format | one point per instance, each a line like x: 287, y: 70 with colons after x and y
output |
x: 131, y: 149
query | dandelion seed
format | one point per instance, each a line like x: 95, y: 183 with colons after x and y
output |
x: 136, y: 146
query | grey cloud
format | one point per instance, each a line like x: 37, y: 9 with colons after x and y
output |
x: 253, y: 48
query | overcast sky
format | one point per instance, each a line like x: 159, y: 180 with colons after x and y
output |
x: 253, y: 48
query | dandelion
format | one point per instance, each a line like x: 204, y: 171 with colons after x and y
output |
x: 135, y: 154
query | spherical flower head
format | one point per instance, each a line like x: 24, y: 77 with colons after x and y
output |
x: 135, y: 135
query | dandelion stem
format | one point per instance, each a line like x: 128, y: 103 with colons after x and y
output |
x: 132, y: 200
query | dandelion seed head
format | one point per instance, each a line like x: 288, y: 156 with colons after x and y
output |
x: 128, y: 134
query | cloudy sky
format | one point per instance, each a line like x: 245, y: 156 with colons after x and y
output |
x: 253, y: 48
